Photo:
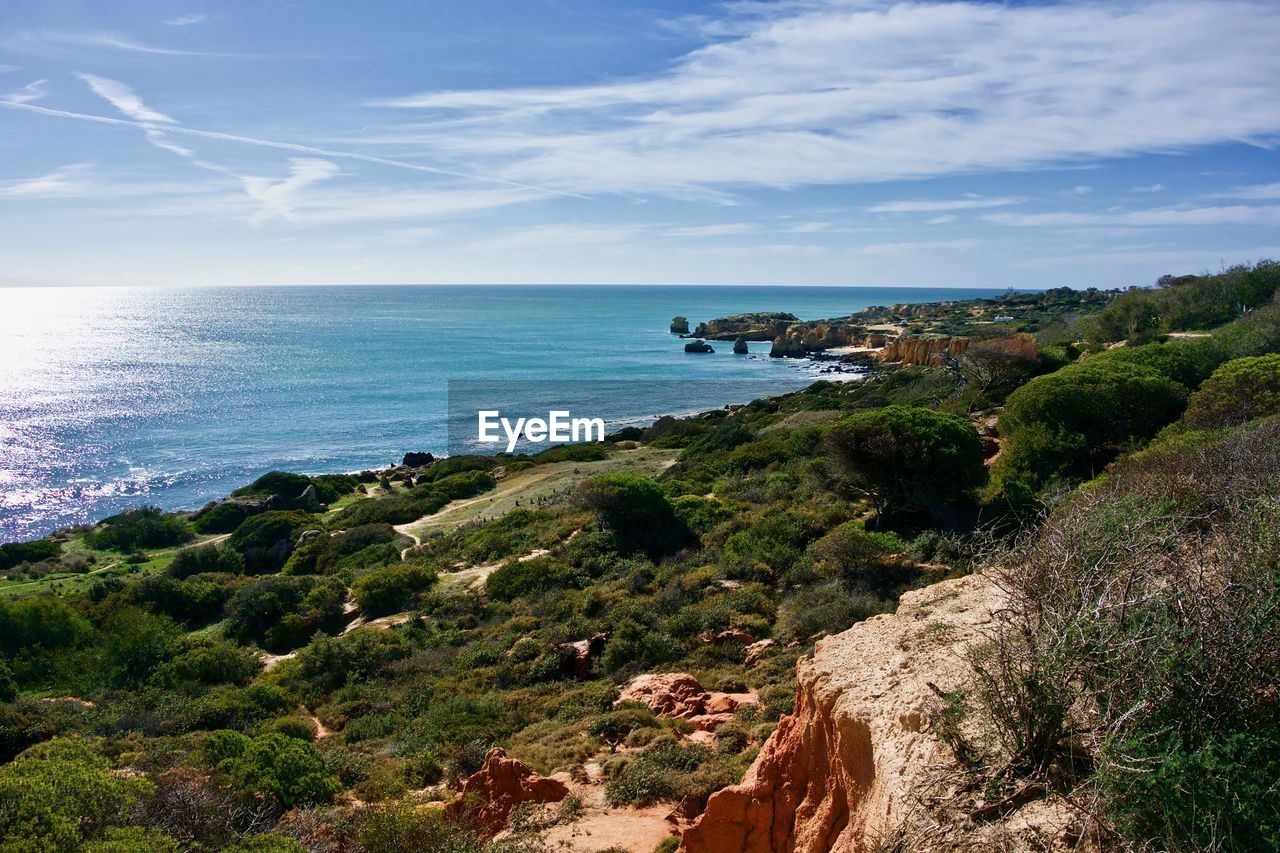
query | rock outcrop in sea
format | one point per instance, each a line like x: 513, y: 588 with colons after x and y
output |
x: 698, y: 346
x: 679, y: 325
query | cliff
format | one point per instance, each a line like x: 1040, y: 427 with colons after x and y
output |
x: 757, y: 326
x: 838, y: 773
x: 910, y: 349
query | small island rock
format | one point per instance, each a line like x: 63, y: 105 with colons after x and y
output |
x: 679, y: 325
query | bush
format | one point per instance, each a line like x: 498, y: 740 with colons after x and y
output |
x: 16, y: 553
x: 524, y: 577
x: 584, y: 452
x: 1068, y: 425
x: 265, y: 541
x: 908, y: 458
x: 62, y: 793
x: 332, y: 662
x: 145, y: 527
x: 701, y: 514
x: 1237, y: 392
x: 208, y: 662
x: 206, y: 558
x: 190, y: 601
x: 392, y: 588
x: 287, y: 769
x: 222, y: 518
x: 635, y: 510
x: 283, y: 612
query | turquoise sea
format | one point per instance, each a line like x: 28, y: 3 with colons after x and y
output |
x: 114, y: 397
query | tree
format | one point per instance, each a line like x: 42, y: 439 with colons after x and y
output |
x: 144, y: 527
x: 635, y: 510
x: 1236, y: 393
x: 902, y: 457
x: 1069, y: 424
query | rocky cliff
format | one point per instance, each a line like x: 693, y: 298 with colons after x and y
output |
x: 910, y: 349
x: 756, y: 326
x: 837, y: 774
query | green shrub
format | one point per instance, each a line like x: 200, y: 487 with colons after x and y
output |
x: 1237, y: 392
x: 635, y: 510
x: 145, y: 527
x: 15, y: 553
x: 398, y: 826
x: 222, y: 518
x: 265, y: 541
x: 584, y: 452
x: 524, y: 577
x: 283, y: 612
x: 701, y: 514
x: 202, y: 661
x: 392, y: 588
x: 206, y: 558
x: 268, y: 843
x: 287, y: 769
x: 131, y: 839
x: 332, y: 662
x: 1068, y: 425
x: 908, y: 458
x: 280, y: 484
x: 62, y: 793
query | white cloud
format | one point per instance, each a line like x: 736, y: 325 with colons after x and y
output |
x: 124, y: 99
x: 828, y: 91
x: 724, y: 229
x: 277, y: 198
x: 1257, y: 192
x: 921, y: 246
x: 1149, y: 188
x: 935, y: 205
x: 541, y: 236
x: 28, y: 93
x: 185, y: 20
x: 1155, y: 217
x: 1081, y: 190
x: 62, y: 182
x: 941, y: 220
x: 68, y: 44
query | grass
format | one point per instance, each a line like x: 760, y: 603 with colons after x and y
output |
x: 526, y: 487
x: 109, y: 564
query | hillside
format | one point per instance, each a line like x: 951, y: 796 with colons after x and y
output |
x: 1011, y: 600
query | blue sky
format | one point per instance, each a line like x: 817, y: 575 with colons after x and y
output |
x: 799, y: 141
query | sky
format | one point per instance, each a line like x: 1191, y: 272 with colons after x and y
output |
x: 863, y: 142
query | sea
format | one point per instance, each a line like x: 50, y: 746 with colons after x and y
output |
x: 112, y: 398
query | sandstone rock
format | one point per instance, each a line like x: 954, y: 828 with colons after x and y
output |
x: 909, y: 350
x: 837, y: 773
x: 732, y: 635
x: 756, y: 649
x: 675, y: 694
x: 679, y: 325
x: 489, y: 796
x: 417, y: 460
x: 740, y: 346
x: 698, y: 346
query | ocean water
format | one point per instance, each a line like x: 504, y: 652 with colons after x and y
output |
x: 115, y: 397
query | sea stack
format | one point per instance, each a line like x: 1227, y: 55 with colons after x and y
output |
x: 740, y: 345
x: 698, y: 346
x: 679, y: 325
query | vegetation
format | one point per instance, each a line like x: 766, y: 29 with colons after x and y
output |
x: 178, y: 684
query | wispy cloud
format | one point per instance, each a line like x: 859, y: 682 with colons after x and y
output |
x: 278, y: 198
x: 1257, y: 192
x: 724, y: 229
x: 185, y: 20
x: 124, y: 99
x: 1156, y: 217
x: 938, y: 205
x: 1149, y: 188
x: 542, y: 236
x: 834, y: 91
x: 28, y: 93
x: 290, y: 146
x: 920, y: 246
x: 66, y: 181
x: 67, y: 44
